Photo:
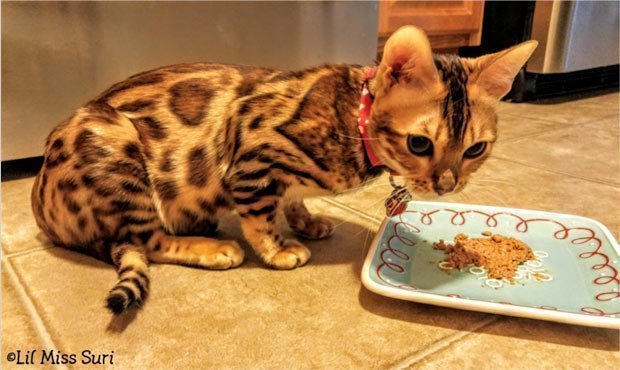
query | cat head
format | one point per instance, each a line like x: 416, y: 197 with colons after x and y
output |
x: 433, y: 119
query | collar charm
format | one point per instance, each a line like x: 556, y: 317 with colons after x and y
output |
x: 396, y: 203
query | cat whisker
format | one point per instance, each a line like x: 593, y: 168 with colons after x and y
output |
x: 358, y: 138
x: 384, y: 199
x: 367, y: 185
x: 372, y: 205
x: 359, y: 232
x: 465, y: 195
x: 498, y: 181
x: 339, y: 224
x: 487, y: 192
x: 368, y: 231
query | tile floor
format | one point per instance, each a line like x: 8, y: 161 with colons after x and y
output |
x: 560, y: 156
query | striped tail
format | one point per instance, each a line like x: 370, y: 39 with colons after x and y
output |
x: 132, y: 286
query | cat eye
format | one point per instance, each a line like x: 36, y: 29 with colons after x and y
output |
x: 475, y: 150
x: 420, y: 145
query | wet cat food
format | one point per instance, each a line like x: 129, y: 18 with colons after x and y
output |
x: 500, y: 255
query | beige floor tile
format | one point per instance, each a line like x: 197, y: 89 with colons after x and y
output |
x: 513, y: 343
x: 589, y: 151
x: 18, y: 332
x: 19, y: 229
x: 509, y: 184
x: 512, y: 128
x: 610, y: 100
x: 251, y: 317
x: 566, y: 111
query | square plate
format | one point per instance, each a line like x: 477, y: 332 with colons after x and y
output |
x: 574, y: 280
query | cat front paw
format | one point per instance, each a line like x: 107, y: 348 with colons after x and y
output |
x: 228, y: 255
x: 292, y: 255
x: 317, y: 227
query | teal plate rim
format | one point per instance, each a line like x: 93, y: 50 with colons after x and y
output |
x: 589, y: 316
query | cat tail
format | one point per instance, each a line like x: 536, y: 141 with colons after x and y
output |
x: 132, y: 286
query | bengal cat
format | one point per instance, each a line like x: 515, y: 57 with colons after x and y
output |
x: 141, y: 173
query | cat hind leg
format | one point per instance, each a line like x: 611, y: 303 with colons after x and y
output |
x: 306, y: 225
x: 197, y: 251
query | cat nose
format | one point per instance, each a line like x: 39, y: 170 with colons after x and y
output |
x: 445, y: 183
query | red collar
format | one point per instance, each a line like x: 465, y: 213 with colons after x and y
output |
x: 364, y: 115
x: 397, y: 202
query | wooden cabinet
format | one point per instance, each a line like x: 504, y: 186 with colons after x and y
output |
x: 448, y: 24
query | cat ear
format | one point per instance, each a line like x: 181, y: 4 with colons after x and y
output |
x: 498, y: 70
x: 408, y: 58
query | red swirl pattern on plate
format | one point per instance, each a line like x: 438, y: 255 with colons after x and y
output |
x: 458, y: 219
x: 387, y: 263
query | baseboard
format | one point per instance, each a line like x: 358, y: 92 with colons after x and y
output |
x: 534, y: 86
x: 21, y: 168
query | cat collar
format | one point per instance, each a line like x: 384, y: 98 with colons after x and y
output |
x: 396, y: 203
x: 364, y: 115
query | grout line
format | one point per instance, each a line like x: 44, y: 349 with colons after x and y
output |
x: 444, y: 343
x: 516, y: 139
x: 567, y: 124
x: 602, y: 182
x: 347, y: 208
x: 564, y: 126
x: 546, y: 120
x: 42, y: 332
x: 26, y: 251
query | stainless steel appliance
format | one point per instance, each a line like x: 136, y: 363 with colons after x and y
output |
x: 578, y: 49
x: 578, y: 44
x: 58, y: 55
x: 575, y: 35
